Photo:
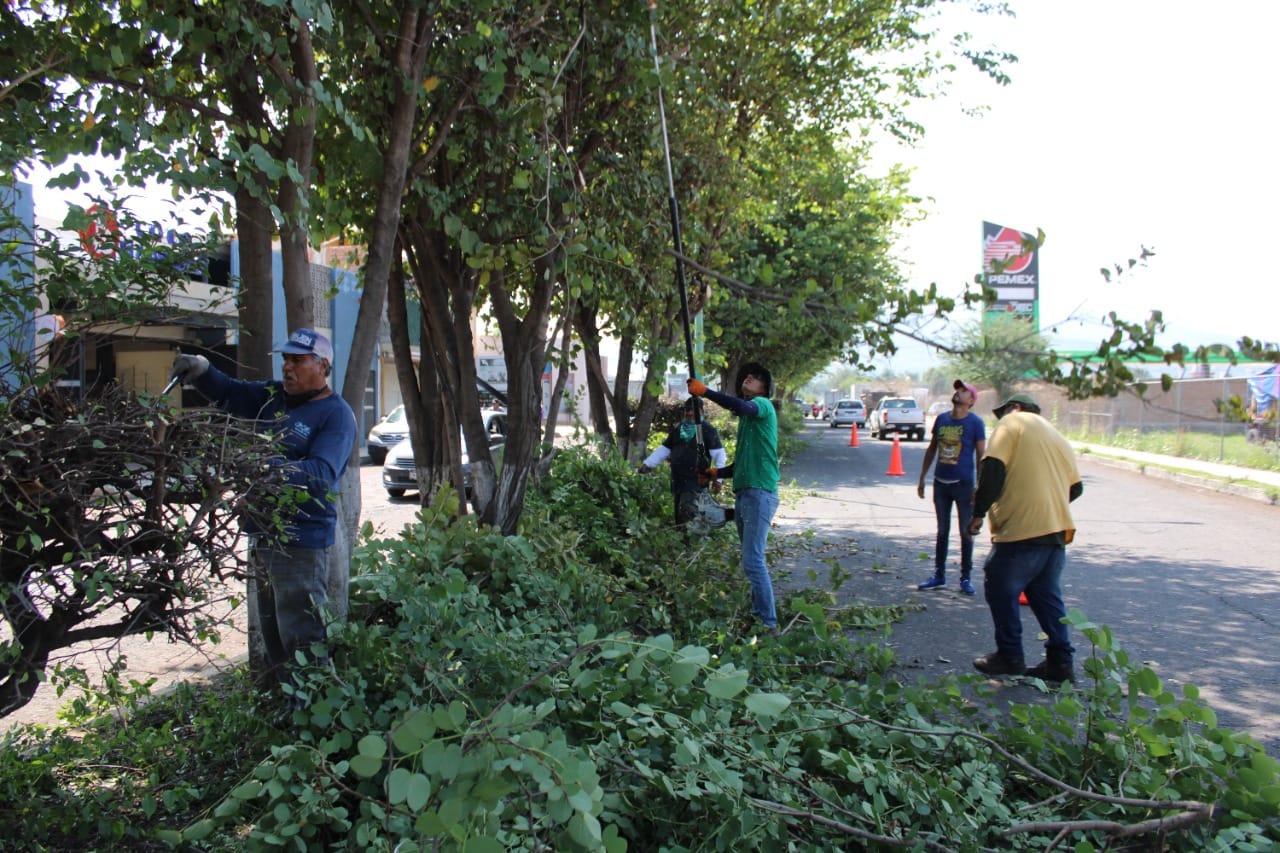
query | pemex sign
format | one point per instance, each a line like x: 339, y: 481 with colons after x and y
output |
x: 1011, y: 269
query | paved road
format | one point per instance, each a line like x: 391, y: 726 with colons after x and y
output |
x: 1187, y: 579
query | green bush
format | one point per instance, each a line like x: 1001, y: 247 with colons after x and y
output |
x: 494, y: 693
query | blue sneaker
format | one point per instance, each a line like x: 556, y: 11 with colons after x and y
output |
x: 966, y: 586
x: 935, y: 582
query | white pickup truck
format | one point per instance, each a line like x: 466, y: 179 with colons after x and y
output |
x: 901, y: 415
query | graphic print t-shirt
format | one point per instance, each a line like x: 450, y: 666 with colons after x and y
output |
x: 957, y: 440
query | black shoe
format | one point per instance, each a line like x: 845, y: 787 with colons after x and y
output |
x: 997, y: 664
x: 1055, y: 671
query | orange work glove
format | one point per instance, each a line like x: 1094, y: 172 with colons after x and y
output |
x: 706, y: 475
x: 697, y: 387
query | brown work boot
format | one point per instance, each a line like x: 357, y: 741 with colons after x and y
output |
x: 1054, y: 671
x: 997, y: 664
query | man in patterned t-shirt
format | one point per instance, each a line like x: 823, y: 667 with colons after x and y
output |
x: 959, y: 438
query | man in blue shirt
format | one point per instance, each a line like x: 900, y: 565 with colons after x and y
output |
x: 958, y: 440
x: 317, y: 431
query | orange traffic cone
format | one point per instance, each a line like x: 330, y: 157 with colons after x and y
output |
x: 853, y: 435
x: 895, y: 460
x: 1022, y: 599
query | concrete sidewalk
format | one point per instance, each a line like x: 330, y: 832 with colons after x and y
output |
x: 1261, y: 485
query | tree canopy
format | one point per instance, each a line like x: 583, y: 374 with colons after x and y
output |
x: 519, y: 170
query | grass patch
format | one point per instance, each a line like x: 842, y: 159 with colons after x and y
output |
x: 1187, y: 444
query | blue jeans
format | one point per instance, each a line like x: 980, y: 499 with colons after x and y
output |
x: 753, y: 511
x: 291, y: 592
x: 944, y: 495
x: 1016, y: 567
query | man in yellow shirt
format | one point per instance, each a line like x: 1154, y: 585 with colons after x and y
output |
x: 1026, y: 481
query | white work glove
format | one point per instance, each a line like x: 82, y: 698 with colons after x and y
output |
x: 189, y: 368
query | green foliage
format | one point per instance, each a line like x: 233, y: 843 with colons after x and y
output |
x: 495, y: 692
x: 998, y: 352
x: 812, y: 261
x: 92, y: 783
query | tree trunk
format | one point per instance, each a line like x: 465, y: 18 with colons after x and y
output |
x: 597, y: 382
x: 410, y: 55
x: 524, y: 343
x: 255, y: 228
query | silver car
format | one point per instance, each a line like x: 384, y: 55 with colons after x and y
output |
x: 847, y: 413
x: 389, y: 432
x: 400, y: 473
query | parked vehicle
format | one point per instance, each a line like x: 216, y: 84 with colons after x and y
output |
x: 900, y: 415
x: 939, y: 408
x: 847, y: 413
x: 394, y: 428
x: 386, y: 434
x: 400, y: 473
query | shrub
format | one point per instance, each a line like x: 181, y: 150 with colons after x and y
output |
x: 494, y: 692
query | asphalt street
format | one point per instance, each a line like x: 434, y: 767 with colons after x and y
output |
x: 1188, y: 580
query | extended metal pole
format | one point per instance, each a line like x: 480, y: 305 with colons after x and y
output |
x: 671, y: 194
x: 674, y: 208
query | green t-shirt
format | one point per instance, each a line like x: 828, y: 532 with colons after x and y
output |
x: 755, y: 465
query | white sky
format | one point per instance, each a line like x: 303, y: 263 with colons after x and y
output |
x: 1128, y: 123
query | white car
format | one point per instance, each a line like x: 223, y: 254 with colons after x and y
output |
x: 400, y: 473
x: 847, y: 412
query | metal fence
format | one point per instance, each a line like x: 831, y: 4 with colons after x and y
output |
x: 1190, y: 405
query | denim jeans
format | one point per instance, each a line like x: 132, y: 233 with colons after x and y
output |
x: 753, y: 513
x: 944, y: 495
x: 291, y: 591
x: 1016, y: 567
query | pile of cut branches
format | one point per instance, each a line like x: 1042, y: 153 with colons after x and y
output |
x: 118, y: 516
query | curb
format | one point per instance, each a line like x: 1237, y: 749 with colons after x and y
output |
x: 1224, y: 487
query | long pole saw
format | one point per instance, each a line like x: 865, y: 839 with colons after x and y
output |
x: 672, y: 205
x: 708, y: 513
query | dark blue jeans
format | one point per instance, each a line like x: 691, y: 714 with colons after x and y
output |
x: 944, y: 495
x: 1016, y: 567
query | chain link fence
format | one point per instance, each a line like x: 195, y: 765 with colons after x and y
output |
x: 1190, y: 405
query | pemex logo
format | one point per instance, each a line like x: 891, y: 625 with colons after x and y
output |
x: 1004, y: 251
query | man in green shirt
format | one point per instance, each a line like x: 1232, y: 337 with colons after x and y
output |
x: 755, y: 477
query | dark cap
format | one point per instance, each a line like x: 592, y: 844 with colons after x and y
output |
x: 759, y: 371
x: 693, y: 404
x: 1026, y: 401
x: 308, y: 342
